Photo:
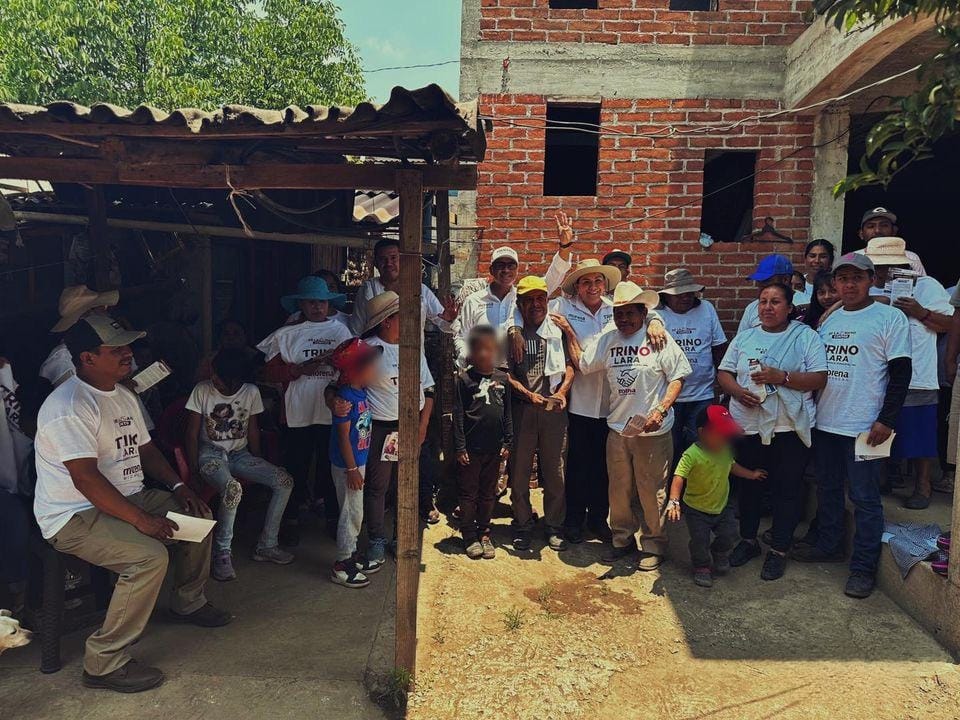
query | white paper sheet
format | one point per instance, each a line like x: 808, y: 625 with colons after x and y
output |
x: 192, y: 529
x: 150, y: 376
x: 864, y: 451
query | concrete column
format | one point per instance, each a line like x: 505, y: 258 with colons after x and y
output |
x: 829, y: 167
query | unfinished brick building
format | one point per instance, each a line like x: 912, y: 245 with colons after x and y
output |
x: 675, y: 87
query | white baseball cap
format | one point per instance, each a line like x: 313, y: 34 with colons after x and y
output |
x: 504, y: 253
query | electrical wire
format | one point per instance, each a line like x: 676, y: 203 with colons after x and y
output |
x: 410, y: 67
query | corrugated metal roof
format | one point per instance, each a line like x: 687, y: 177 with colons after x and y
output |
x: 377, y: 208
x: 421, y: 114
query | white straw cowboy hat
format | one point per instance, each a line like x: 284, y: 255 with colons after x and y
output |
x: 380, y: 307
x: 590, y: 267
x: 77, y: 300
x: 887, y: 251
x: 680, y: 281
x: 629, y: 293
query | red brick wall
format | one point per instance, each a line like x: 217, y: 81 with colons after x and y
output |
x: 645, y: 176
x: 737, y: 22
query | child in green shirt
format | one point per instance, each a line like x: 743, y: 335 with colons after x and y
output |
x: 706, y: 467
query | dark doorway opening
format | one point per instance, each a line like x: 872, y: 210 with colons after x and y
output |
x: 572, y: 150
x: 727, y: 212
x: 924, y: 196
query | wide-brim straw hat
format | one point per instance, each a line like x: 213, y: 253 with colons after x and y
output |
x: 629, y: 293
x: 77, y: 300
x: 380, y: 307
x: 887, y: 251
x: 590, y: 267
x: 680, y: 281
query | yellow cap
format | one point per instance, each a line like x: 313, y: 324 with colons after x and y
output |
x: 531, y: 283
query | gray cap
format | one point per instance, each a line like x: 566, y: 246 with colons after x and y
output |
x: 855, y: 259
x: 878, y: 212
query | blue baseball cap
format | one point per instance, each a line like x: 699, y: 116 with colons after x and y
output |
x: 772, y: 265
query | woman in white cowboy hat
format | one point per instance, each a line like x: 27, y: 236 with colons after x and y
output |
x: 644, y: 383
x: 382, y: 330
x: 693, y: 323
x: 298, y: 357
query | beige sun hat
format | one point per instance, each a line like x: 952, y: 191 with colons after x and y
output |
x: 380, y: 307
x: 680, y: 281
x: 629, y: 293
x: 77, y: 300
x: 590, y: 267
x: 887, y: 251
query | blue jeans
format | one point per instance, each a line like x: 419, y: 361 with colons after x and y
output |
x: 221, y: 469
x: 835, y: 467
x: 685, y: 425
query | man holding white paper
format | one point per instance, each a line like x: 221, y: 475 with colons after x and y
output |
x: 868, y: 373
x: 93, y: 451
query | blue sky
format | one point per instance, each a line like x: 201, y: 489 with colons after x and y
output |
x: 405, y: 32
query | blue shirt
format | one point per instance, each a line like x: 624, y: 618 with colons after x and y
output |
x: 361, y: 423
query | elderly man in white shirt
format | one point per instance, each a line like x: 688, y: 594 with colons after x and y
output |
x: 386, y: 258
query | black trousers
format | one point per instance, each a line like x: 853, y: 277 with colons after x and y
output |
x: 586, y: 482
x: 711, y: 536
x: 306, y: 448
x: 478, y: 494
x: 785, y: 460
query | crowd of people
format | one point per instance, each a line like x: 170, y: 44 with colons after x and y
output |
x: 629, y: 408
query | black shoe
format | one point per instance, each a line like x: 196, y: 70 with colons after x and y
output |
x: 813, y: 554
x: 521, y: 541
x: 917, y: 501
x: 131, y: 678
x: 556, y: 542
x: 289, y: 535
x: 208, y: 616
x: 574, y: 535
x: 774, y: 566
x: 614, y: 554
x: 744, y: 552
x: 601, y: 531
x: 859, y: 585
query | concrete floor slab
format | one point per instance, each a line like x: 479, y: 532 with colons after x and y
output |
x: 299, y: 647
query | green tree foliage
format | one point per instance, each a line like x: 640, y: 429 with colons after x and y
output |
x: 907, y: 134
x: 177, y: 53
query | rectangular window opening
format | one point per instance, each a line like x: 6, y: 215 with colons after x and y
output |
x: 574, y: 4
x: 704, y: 5
x: 572, y: 150
x: 728, y: 179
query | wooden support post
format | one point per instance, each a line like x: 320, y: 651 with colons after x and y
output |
x: 206, y: 293
x: 97, y: 237
x: 410, y: 187
x: 953, y: 567
x: 445, y: 384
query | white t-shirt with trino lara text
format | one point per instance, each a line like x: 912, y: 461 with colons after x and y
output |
x: 859, y: 345
x: 79, y: 421
x: 295, y: 344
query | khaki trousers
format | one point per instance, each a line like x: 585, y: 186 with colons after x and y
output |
x: 639, y: 468
x: 544, y: 434
x: 141, y: 562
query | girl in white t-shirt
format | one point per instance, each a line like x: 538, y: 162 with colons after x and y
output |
x: 223, y: 448
x: 298, y: 357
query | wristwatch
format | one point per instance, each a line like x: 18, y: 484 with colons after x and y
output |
x: 661, y: 409
x: 786, y: 378
x: 673, y: 503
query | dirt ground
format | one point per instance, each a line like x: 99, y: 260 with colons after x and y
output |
x: 554, y: 636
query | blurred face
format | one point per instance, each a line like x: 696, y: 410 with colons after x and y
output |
x: 387, y: 262
x: 483, y: 353
x: 629, y: 319
x: 112, y: 364
x: 818, y: 259
x: 504, y: 272
x: 711, y: 440
x: 774, y: 309
x: 314, y: 310
x: 827, y: 295
x: 621, y: 265
x: 853, y: 285
x: 877, y: 227
x: 591, y: 289
x: 233, y: 337
x: 366, y: 373
x: 680, y: 303
x: 533, y: 307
